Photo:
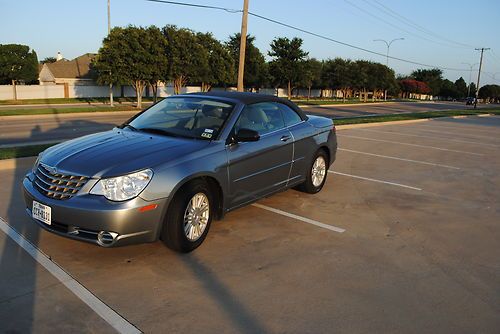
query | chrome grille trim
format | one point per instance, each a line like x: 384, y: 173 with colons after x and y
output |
x: 56, y: 184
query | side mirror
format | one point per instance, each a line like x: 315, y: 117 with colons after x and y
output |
x: 246, y: 135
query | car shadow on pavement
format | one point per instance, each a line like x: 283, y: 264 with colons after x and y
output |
x: 220, y: 294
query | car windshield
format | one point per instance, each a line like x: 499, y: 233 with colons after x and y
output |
x: 189, y: 117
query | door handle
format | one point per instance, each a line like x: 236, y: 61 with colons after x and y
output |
x: 285, y: 138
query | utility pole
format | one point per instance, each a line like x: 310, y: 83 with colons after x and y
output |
x: 243, y: 45
x: 479, y: 73
x: 470, y: 76
x: 387, y: 55
x: 110, y: 84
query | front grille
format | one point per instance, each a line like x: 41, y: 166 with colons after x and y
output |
x: 57, y: 185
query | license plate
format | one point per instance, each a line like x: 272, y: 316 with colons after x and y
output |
x: 41, y: 212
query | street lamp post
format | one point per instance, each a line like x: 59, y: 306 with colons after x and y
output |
x: 388, y: 46
x: 387, y: 55
x: 470, y: 76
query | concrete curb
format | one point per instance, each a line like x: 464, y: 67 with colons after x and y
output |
x: 368, y: 125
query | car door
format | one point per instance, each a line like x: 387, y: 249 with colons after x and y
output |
x: 261, y: 167
x: 303, y: 143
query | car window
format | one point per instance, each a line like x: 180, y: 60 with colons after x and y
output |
x: 186, y: 117
x: 262, y: 117
x: 290, y: 116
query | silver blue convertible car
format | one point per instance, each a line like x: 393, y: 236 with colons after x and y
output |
x: 173, y: 168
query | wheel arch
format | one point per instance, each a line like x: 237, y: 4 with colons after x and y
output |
x: 325, y: 149
x: 214, y: 186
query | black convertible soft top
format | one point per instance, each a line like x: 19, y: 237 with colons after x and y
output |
x: 250, y: 98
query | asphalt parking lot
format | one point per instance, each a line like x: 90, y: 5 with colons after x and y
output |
x: 404, y: 237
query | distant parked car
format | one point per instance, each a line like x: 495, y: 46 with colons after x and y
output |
x: 470, y: 101
x: 171, y: 169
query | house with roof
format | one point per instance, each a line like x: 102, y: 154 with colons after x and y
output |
x: 74, y: 72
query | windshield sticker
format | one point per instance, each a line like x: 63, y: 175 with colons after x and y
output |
x: 209, y: 130
x: 206, y: 135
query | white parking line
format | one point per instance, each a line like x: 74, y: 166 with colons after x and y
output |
x: 303, y: 219
x: 408, y: 144
x: 104, y: 311
x: 375, y: 180
x: 396, y: 158
x: 430, y: 137
x: 436, y: 127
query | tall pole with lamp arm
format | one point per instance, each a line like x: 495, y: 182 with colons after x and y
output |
x: 470, y: 76
x: 388, y: 44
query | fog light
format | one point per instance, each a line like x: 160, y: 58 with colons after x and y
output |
x: 105, y: 238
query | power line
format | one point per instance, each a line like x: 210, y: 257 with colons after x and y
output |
x: 351, y: 45
x: 187, y: 4
x: 491, y: 55
x: 308, y: 33
x: 495, y: 55
x: 415, y: 25
x: 393, y: 25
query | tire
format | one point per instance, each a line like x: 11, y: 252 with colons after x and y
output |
x: 184, y: 237
x: 313, y: 184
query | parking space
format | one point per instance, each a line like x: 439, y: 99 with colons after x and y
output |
x: 403, y: 237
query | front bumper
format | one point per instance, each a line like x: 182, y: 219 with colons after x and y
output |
x: 82, y: 217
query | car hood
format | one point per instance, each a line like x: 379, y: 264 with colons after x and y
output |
x: 117, y: 152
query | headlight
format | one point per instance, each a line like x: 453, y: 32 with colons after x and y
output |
x: 124, y: 187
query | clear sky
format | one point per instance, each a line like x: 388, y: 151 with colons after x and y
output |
x: 434, y: 31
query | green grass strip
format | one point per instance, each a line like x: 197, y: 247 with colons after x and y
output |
x: 22, y: 151
x: 419, y: 115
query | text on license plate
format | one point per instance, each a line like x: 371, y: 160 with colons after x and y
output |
x: 41, y: 212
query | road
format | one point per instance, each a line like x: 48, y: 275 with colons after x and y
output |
x: 420, y: 252
x: 369, y: 109
x: 55, y: 106
x: 37, y: 129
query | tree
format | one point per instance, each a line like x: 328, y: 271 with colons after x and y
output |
x: 472, y: 89
x: 187, y: 58
x: 220, y: 65
x: 433, y: 78
x: 157, y: 44
x: 361, y: 76
x: 256, y: 71
x: 132, y: 55
x: 312, y: 75
x: 448, y: 89
x: 17, y: 63
x: 338, y: 74
x: 382, y: 78
x: 48, y: 60
x: 288, y: 61
x: 489, y: 92
x: 461, y: 87
x: 409, y: 85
